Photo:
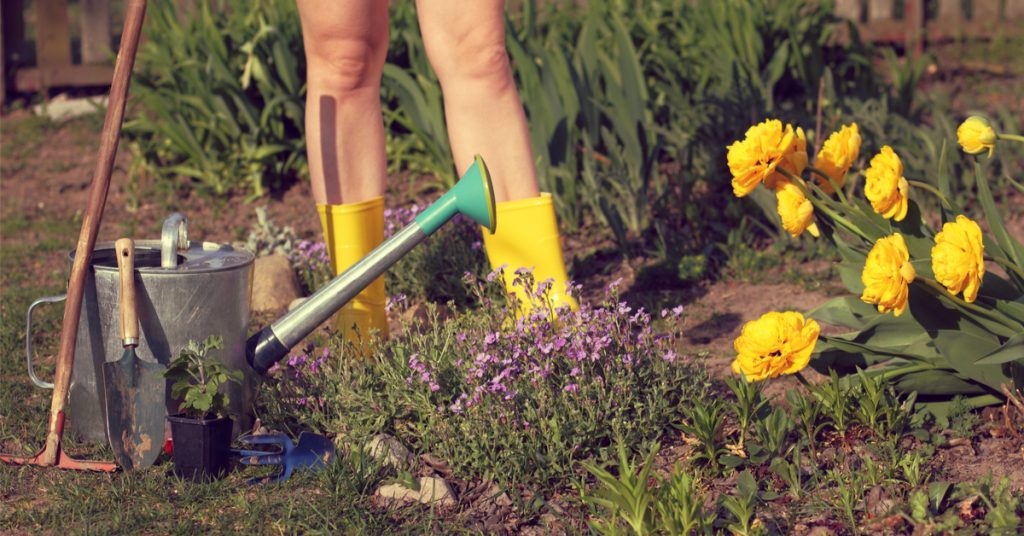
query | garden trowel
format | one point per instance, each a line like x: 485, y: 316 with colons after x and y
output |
x: 134, y: 388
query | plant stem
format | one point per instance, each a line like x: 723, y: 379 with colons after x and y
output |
x: 835, y: 186
x: 935, y: 191
x: 1011, y: 137
x: 1006, y: 263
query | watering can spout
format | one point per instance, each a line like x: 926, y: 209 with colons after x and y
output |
x: 472, y: 196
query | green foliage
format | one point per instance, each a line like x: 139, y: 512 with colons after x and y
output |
x: 705, y: 424
x: 742, y: 506
x: 220, y: 97
x: 637, y: 501
x: 267, y: 238
x: 196, y: 378
x: 435, y: 270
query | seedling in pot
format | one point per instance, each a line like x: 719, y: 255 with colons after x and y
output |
x: 202, y: 431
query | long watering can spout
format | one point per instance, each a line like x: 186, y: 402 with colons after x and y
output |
x: 472, y: 196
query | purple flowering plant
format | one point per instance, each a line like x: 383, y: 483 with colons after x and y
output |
x: 298, y: 389
x: 520, y: 394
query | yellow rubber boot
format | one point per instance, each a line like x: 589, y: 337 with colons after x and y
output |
x: 527, y: 237
x: 351, y: 231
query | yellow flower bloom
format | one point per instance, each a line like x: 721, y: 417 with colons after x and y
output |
x: 975, y: 135
x: 837, y: 155
x: 888, y: 274
x: 796, y: 211
x: 958, y: 257
x: 775, y: 344
x: 885, y: 185
x: 764, y: 148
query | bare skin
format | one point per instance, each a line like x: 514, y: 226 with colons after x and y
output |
x: 346, y: 46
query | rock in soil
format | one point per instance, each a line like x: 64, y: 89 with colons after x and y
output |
x: 274, y: 286
x: 389, y: 451
x: 433, y: 490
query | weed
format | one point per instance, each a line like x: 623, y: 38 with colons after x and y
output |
x: 743, y: 506
x: 705, y: 424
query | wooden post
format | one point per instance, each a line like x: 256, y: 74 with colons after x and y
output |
x: 95, y: 25
x: 53, y: 39
x: 913, y: 17
x: 12, y: 33
x: 1014, y: 10
x: 880, y: 10
x: 849, y: 9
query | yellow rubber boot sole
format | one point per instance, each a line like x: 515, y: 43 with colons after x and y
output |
x: 527, y: 237
x: 351, y: 231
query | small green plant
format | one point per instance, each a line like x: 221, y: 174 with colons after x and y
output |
x: 749, y: 404
x: 1002, y: 504
x: 628, y: 497
x: 790, y: 473
x: 743, y: 506
x: 196, y: 378
x: 267, y: 238
x: 836, y: 401
x: 644, y: 502
x: 705, y: 424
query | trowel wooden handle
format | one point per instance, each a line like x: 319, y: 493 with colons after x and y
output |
x: 125, y: 249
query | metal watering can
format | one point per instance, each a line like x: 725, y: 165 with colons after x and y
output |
x: 186, y: 290
x: 189, y: 290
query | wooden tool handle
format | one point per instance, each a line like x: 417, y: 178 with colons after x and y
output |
x: 125, y: 249
x: 134, y: 14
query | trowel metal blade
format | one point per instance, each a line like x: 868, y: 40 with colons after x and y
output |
x: 135, y: 391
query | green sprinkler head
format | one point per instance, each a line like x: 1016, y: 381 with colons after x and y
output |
x: 473, y: 196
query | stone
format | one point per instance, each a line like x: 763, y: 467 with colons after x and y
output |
x: 274, y: 286
x: 389, y: 451
x: 498, y: 495
x: 61, y: 108
x: 433, y: 490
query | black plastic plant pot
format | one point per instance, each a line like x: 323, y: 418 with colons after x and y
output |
x: 201, y: 446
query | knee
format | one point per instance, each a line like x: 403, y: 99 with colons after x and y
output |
x: 472, y: 61
x: 339, y: 65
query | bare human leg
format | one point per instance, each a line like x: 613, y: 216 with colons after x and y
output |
x: 465, y: 42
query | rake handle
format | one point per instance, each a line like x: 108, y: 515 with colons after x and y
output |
x: 135, y: 11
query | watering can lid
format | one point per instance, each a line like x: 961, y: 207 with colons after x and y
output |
x: 174, y: 252
x: 199, y: 257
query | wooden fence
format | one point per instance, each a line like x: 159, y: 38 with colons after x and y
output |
x: 918, y: 22
x: 912, y: 22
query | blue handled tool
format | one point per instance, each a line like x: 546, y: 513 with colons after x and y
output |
x: 312, y: 452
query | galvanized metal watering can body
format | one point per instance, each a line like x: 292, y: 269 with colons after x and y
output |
x: 186, y: 290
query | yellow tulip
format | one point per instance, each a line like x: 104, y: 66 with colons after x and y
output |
x: 887, y: 275
x: 975, y: 135
x: 795, y: 210
x: 764, y: 148
x: 775, y: 344
x: 839, y: 152
x: 958, y: 257
x: 885, y: 186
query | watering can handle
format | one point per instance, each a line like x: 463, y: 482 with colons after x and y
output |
x: 173, y: 236
x: 28, y: 338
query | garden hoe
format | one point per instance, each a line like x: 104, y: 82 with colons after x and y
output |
x: 312, y: 451
x: 134, y: 388
x: 472, y: 196
x: 53, y: 453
